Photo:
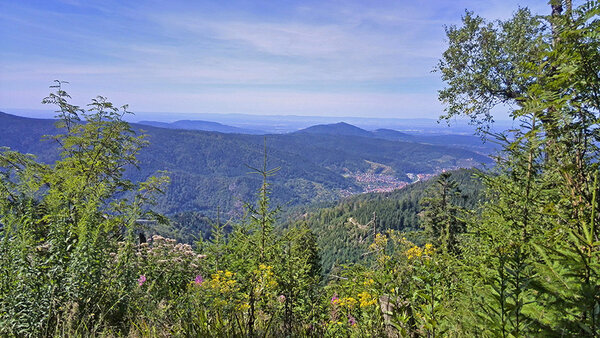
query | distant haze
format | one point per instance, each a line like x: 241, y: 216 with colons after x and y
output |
x: 278, y: 124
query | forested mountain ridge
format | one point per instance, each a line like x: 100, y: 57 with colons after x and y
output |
x: 201, y: 125
x: 341, y: 128
x: 208, y: 169
x: 470, y: 142
x: 344, y: 231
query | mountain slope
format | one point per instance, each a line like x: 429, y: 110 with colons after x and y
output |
x: 346, y: 229
x: 469, y: 142
x: 209, y: 169
x: 341, y: 128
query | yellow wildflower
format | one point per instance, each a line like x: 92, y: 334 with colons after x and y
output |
x: 382, y: 259
x: 366, y: 299
x: 347, y: 302
x: 379, y: 242
x: 429, y: 249
x: 265, y: 267
x: 414, y: 252
x: 243, y: 306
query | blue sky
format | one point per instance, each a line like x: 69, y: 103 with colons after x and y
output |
x: 329, y: 58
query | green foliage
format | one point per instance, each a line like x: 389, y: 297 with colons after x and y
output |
x: 528, y: 263
x: 254, y: 280
x: 485, y: 64
x: 62, y: 221
x: 534, y: 248
x: 71, y: 264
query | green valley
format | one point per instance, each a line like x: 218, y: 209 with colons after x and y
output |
x: 210, y: 170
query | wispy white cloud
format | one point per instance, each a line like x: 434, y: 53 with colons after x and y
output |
x: 309, y: 57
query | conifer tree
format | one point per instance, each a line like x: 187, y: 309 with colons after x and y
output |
x: 441, y: 216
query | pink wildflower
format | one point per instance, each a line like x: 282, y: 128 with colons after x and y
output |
x: 334, y: 299
x: 199, y: 280
x: 351, y: 320
x: 141, y: 280
x: 282, y: 299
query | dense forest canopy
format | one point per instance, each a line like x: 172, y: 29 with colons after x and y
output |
x: 513, y: 251
x: 208, y: 169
